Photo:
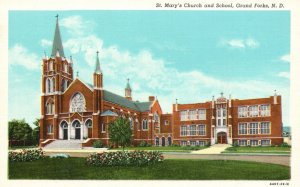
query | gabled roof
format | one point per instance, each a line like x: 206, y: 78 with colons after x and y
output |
x: 135, y: 105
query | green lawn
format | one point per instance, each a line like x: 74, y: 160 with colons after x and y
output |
x: 259, y: 149
x: 164, y: 149
x: 75, y: 168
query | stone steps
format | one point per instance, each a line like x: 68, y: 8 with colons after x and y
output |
x: 64, y: 144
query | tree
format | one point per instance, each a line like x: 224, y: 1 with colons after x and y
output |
x: 120, y: 132
x: 20, y: 130
x: 36, y: 131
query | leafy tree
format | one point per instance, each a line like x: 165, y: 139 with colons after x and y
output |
x: 36, y: 131
x: 20, y: 130
x: 120, y: 132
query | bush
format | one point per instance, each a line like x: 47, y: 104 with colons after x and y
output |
x: 98, y: 144
x: 208, y: 144
x: 284, y: 144
x: 235, y: 144
x: 120, y: 158
x: 25, y: 155
x: 144, y: 144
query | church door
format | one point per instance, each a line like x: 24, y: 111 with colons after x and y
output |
x: 77, y: 133
x: 65, y: 134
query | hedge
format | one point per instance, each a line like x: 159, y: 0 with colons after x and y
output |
x: 120, y: 158
x: 25, y: 155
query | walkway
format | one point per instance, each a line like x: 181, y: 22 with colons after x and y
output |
x: 273, y: 159
x: 214, y: 149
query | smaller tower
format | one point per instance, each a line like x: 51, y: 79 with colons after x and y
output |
x: 128, y: 91
x: 98, y: 76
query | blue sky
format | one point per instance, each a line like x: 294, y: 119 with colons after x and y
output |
x: 189, y: 55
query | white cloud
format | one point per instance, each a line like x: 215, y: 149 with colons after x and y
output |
x: 285, y: 58
x: 151, y: 76
x: 76, y: 25
x: 45, y: 43
x: 240, y: 43
x: 284, y: 74
x: 19, y: 55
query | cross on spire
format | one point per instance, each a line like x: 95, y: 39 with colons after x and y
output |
x: 221, y: 94
x: 57, y: 47
x: 97, y: 68
x: 77, y: 74
x: 56, y: 17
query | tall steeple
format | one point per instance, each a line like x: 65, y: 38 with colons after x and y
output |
x: 97, y: 67
x: 57, y: 47
x: 128, y: 91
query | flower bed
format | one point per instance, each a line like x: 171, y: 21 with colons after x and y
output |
x: 25, y: 155
x: 119, y: 158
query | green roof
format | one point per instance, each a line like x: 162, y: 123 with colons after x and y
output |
x: 135, y: 105
x: 57, y: 43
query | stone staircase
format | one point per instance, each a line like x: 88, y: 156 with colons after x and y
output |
x: 64, y: 144
x: 214, y: 149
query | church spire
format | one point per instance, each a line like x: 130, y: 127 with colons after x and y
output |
x: 128, y: 91
x: 97, y: 68
x: 57, y: 47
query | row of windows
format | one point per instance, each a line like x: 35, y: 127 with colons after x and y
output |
x: 51, y: 68
x: 198, y: 114
x: 193, y: 143
x: 50, y: 85
x: 193, y: 130
x: 255, y: 128
x: 163, y: 141
x: 254, y: 111
x: 265, y: 142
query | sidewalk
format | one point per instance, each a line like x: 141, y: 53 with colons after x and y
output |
x: 214, y: 149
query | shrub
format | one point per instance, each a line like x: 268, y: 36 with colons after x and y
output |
x: 208, y: 144
x: 144, y: 144
x: 235, y: 144
x: 98, y: 144
x: 120, y: 158
x: 284, y: 144
x: 26, y: 155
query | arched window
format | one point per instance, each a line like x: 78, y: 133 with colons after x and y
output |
x: 64, y: 85
x: 156, y: 117
x: 50, y: 129
x: 77, y: 103
x: 52, y: 84
x: 89, y: 123
x: 145, y: 124
x: 66, y: 68
x: 157, y: 141
x: 50, y: 66
x: 49, y: 106
x: 131, y: 123
x: 48, y: 85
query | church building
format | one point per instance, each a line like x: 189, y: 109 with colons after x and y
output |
x: 72, y: 109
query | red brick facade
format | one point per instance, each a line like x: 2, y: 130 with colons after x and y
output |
x: 72, y: 109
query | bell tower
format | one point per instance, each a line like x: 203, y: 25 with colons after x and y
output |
x: 97, y: 97
x: 57, y: 75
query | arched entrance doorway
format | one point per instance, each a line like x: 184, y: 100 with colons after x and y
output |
x: 76, y: 125
x: 64, y: 127
x: 88, y: 129
x: 169, y: 141
x: 163, y: 141
x: 222, y: 138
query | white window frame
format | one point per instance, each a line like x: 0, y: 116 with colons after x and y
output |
x: 50, y: 129
x: 263, y: 129
x: 253, y: 111
x: 193, y: 115
x: 242, y: 142
x: 265, y: 110
x: 253, y: 128
x: 202, y: 130
x: 184, y: 115
x: 242, y: 111
x: 145, y: 125
x: 265, y: 140
x: 167, y: 122
x: 183, y: 130
x: 202, y: 114
x: 244, y: 126
x: 193, y: 130
x: 251, y: 143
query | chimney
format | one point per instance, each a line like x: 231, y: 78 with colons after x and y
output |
x: 151, y: 98
x: 229, y: 101
x: 213, y: 102
x: 176, y: 105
